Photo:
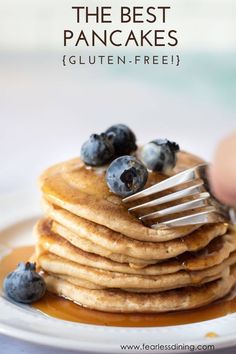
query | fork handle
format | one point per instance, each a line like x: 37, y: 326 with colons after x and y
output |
x: 232, y: 215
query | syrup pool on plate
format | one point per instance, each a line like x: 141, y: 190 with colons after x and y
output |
x: 60, y: 308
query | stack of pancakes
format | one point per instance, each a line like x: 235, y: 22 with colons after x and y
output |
x: 94, y: 252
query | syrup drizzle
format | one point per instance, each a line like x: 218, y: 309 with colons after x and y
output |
x: 60, y: 308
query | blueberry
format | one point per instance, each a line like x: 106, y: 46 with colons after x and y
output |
x: 126, y: 175
x: 24, y: 284
x: 159, y: 155
x: 98, y: 150
x: 124, y: 139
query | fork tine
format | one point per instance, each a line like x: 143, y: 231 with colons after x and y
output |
x: 187, y: 192
x: 197, y: 203
x: 208, y: 216
x: 182, y: 177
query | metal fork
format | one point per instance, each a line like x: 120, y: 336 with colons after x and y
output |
x: 188, y: 198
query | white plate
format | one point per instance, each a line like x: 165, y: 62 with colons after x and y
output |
x: 17, y: 216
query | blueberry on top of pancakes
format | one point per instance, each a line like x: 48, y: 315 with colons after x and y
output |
x: 126, y: 175
x: 97, y: 150
x: 159, y: 155
x: 124, y: 140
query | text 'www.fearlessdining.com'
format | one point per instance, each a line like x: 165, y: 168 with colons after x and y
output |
x: 166, y: 347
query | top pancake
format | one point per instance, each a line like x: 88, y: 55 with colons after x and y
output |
x: 84, y: 192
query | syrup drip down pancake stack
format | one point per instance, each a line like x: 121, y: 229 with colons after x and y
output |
x: 92, y: 251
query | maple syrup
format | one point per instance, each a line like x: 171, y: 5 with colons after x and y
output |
x: 58, y: 307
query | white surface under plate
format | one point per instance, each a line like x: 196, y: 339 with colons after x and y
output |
x: 18, y: 213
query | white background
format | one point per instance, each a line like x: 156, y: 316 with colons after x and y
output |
x: 47, y: 113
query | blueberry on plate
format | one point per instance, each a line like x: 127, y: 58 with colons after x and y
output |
x: 159, y: 155
x: 97, y: 150
x: 24, y: 285
x: 124, y: 140
x: 126, y: 175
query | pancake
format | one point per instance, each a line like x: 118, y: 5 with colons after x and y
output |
x: 87, y: 250
x: 118, y: 243
x: 128, y: 302
x: 56, y: 265
x: 216, y: 252
x: 78, y: 281
x: 91, y: 250
x: 83, y: 191
x: 89, y: 285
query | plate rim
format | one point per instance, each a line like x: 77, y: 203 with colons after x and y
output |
x: 225, y: 342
